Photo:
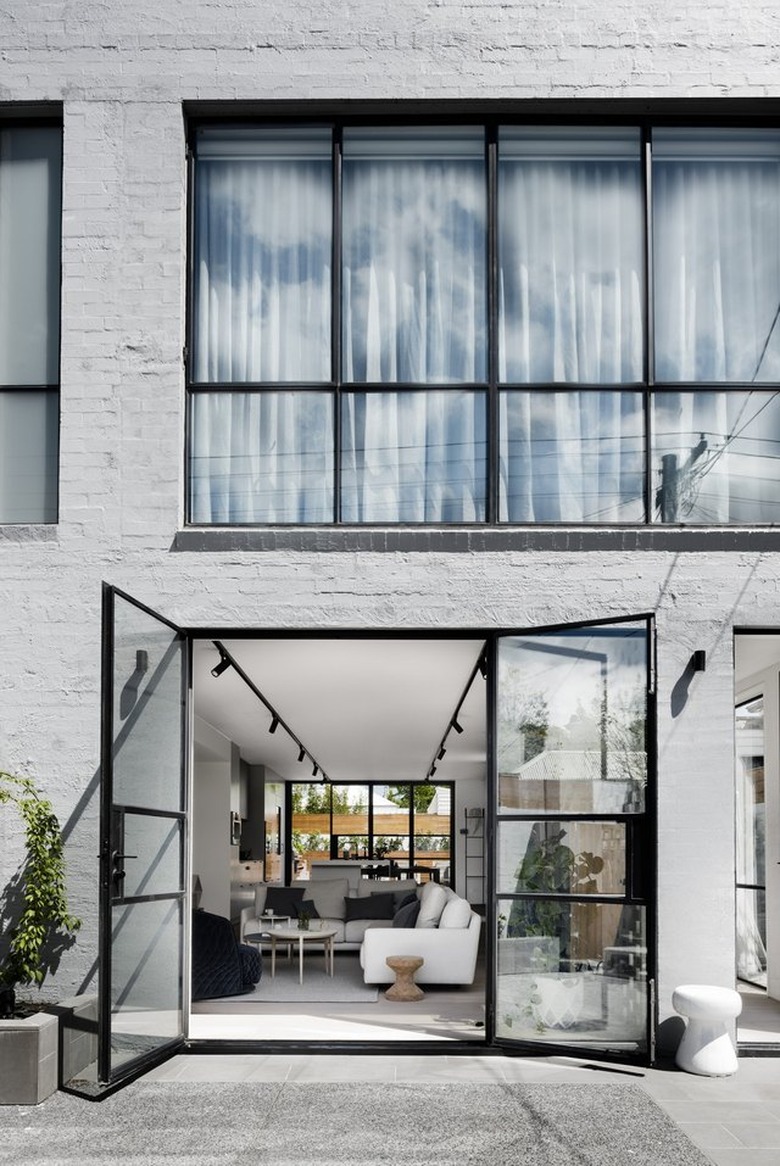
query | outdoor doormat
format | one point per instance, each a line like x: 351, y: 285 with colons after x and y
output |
x: 313, y: 1124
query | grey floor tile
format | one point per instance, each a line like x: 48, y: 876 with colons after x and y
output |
x: 757, y: 1135
x: 709, y: 1137
x: 743, y: 1157
x: 725, y: 1112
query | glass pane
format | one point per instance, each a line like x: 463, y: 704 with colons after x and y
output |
x: 29, y: 441
x: 414, y: 255
x: 572, y: 457
x: 350, y: 820
x: 572, y: 858
x: 154, y: 861
x: 716, y: 457
x: 261, y: 457
x: 432, y: 828
x: 572, y: 973
x: 146, y: 978
x: 391, y: 839
x: 572, y: 709
x: 413, y: 457
x: 262, y: 264
x: 751, y: 804
x: 310, y: 825
x: 751, y: 842
x: 716, y: 248
x: 571, y: 256
x: 751, y: 936
x: 30, y: 212
x: 148, y: 756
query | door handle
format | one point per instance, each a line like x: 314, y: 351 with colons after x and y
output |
x: 118, y: 872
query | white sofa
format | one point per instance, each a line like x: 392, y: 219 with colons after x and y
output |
x: 328, y: 896
x: 446, y: 936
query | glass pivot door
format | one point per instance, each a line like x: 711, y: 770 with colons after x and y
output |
x: 143, y: 839
x: 573, y: 860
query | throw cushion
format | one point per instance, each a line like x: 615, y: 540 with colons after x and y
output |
x: 327, y: 895
x: 403, y: 898
x: 283, y: 900
x: 432, y: 900
x: 406, y: 916
x: 456, y: 913
x: 307, y: 906
x: 373, y: 907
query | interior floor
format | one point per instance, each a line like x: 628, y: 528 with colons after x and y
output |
x: 444, y: 1013
x: 759, y: 1022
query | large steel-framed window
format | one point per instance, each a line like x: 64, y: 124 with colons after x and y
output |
x: 404, y: 827
x: 30, y: 213
x: 493, y: 322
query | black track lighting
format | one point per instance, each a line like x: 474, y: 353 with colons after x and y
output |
x: 274, y: 725
x: 302, y: 754
x: 441, y: 753
x: 222, y: 666
x: 458, y: 728
x: 315, y: 771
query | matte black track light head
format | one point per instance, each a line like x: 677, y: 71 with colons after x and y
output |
x: 222, y: 666
x: 274, y: 725
x: 458, y: 728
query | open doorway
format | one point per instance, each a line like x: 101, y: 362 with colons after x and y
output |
x: 325, y: 759
x: 757, y: 798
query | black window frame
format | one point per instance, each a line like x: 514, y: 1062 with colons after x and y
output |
x: 28, y: 117
x: 641, y: 116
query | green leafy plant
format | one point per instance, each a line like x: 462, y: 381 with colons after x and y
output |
x: 44, y: 908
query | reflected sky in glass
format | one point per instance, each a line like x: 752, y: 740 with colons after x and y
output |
x: 263, y: 235
x: 414, y: 255
x: 570, y: 255
x: 716, y: 457
x: 716, y: 247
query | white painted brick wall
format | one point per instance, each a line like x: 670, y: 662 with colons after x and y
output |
x: 122, y: 72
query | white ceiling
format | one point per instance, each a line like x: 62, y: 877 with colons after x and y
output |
x: 367, y: 709
x: 754, y: 653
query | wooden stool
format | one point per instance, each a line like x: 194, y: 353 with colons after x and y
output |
x: 404, y: 987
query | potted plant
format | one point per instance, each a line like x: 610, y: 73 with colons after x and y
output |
x: 36, y: 923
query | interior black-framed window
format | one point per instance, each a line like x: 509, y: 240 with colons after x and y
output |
x: 30, y: 232
x: 484, y: 323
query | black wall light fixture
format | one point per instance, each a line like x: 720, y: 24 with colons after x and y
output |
x: 699, y: 661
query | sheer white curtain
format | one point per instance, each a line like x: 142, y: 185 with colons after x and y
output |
x: 571, y: 272
x: 414, y: 457
x: 570, y: 456
x: 414, y: 312
x: 570, y: 256
x: 261, y: 457
x: 414, y: 256
x: 716, y: 255
x: 262, y: 257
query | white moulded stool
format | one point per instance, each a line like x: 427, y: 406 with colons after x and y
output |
x: 706, y: 1047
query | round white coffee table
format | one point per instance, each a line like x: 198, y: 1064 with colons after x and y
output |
x: 292, y: 935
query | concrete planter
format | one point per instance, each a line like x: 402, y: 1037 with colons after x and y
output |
x: 28, y: 1059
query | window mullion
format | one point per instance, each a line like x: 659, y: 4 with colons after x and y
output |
x: 335, y: 317
x: 649, y: 353
x: 491, y: 160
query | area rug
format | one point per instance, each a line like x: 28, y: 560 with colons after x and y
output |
x: 289, y: 1124
x: 344, y: 987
